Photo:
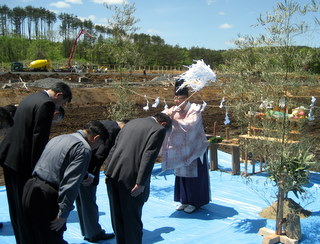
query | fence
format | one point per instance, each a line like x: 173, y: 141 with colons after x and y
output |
x: 147, y: 69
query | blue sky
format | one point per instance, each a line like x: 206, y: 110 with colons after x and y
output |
x: 210, y: 24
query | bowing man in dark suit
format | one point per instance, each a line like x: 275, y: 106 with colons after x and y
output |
x: 23, y: 146
x: 128, y: 172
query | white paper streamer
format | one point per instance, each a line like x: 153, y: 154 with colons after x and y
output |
x: 165, y: 104
x: 156, y: 102
x: 310, y: 115
x: 282, y: 103
x: 197, y: 77
x: 221, y: 103
x: 226, y: 119
x: 204, y: 105
x: 146, y: 108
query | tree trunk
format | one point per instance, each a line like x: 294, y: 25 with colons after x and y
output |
x: 279, y: 216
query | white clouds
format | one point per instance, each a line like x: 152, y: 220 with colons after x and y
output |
x: 55, y: 11
x: 153, y: 31
x: 65, y: 3
x: 99, y: 1
x: 104, y: 20
x: 60, y: 4
x: 90, y: 17
x: 109, y: 1
x: 209, y: 2
x: 74, y: 1
x: 226, y: 26
x: 221, y: 13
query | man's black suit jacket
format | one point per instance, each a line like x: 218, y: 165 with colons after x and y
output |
x: 100, y: 153
x: 137, y: 146
x: 23, y: 146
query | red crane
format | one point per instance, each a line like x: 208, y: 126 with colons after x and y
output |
x: 83, y: 31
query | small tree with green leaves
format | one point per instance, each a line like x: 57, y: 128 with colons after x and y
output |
x: 125, y: 53
x: 124, y: 107
x: 262, y: 92
x: 123, y: 27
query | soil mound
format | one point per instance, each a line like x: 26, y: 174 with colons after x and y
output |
x: 290, y: 207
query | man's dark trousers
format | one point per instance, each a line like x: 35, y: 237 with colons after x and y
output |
x: 123, y: 205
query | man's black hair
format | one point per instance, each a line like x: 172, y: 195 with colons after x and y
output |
x: 95, y: 127
x: 5, y: 118
x: 64, y: 88
x: 162, y: 117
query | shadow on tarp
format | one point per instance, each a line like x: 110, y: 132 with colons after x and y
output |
x: 250, y: 225
x: 161, y: 192
x: 208, y: 212
x: 6, y: 229
x: 155, y: 235
x: 314, y: 179
x: 317, y: 213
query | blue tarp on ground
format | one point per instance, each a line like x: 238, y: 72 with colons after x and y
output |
x: 231, y: 217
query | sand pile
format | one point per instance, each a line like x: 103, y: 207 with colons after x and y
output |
x: 290, y: 207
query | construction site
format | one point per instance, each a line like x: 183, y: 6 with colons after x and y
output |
x: 231, y: 207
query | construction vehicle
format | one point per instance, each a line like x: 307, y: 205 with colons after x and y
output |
x: 39, y: 65
x: 17, y: 67
x: 101, y: 69
x: 44, y: 64
x: 82, y: 31
x: 36, y: 65
x: 69, y: 67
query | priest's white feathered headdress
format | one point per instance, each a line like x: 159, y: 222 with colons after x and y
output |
x: 197, y: 77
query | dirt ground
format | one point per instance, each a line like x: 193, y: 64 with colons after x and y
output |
x: 93, y: 95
